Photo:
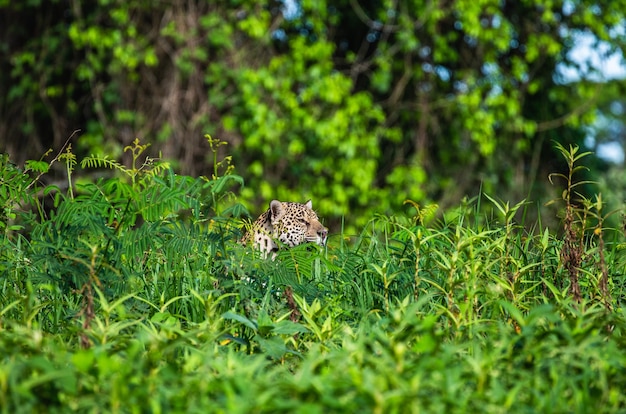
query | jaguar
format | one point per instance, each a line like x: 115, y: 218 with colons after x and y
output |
x: 286, y: 224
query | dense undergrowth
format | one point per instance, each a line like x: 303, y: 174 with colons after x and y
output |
x: 131, y: 294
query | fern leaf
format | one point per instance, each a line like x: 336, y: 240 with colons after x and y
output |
x: 102, y: 161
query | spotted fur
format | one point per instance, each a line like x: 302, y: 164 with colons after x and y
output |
x: 288, y: 224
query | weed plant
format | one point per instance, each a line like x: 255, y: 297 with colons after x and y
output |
x: 132, y: 294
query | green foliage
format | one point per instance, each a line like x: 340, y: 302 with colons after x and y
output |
x: 129, y: 292
x: 103, y: 234
x: 133, y: 294
x: 356, y: 105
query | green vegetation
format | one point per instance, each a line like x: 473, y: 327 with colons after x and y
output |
x: 131, y: 294
x: 357, y: 104
x: 473, y: 265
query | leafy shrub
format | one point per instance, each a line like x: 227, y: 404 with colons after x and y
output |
x: 132, y: 294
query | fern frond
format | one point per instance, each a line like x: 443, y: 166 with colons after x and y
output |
x: 102, y: 161
x: 183, y: 239
x: 140, y: 241
x: 157, y: 169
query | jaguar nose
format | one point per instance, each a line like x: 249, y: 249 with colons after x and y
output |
x: 323, y: 233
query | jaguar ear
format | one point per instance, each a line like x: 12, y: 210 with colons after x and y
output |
x: 309, y: 204
x: 276, y: 210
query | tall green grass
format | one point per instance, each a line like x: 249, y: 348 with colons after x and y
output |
x: 132, y: 294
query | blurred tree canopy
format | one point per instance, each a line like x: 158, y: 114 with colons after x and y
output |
x: 357, y: 104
